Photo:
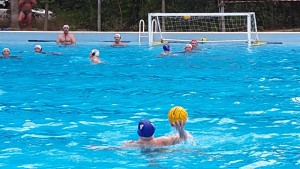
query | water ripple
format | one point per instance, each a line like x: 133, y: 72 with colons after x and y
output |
x: 259, y: 164
x: 45, y: 136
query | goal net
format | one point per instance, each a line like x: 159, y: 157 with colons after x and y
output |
x: 163, y: 26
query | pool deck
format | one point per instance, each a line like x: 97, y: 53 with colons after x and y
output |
x: 24, y: 36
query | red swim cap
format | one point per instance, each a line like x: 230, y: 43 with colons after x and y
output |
x: 194, y: 41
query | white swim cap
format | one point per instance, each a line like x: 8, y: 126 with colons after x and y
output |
x: 5, y: 49
x: 188, y: 45
x: 96, y: 52
x: 117, y: 35
x: 66, y: 26
x: 38, y: 46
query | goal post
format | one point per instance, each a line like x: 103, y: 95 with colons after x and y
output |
x: 160, y: 25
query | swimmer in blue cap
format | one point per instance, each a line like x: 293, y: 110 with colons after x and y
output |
x: 146, y: 131
x: 167, y: 51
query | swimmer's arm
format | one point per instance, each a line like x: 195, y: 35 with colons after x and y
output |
x: 172, y: 140
x: 182, y: 134
x: 73, y: 39
x: 17, y: 57
x: 53, y: 53
x: 179, y: 126
x: 58, y: 40
x: 113, y: 44
x: 130, y: 144
x: 161, y: 55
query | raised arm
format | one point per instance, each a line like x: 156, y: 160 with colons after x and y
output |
x: 183, y: 135
x: 175, y: 139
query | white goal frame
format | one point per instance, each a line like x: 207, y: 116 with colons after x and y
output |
x: 157, y: 21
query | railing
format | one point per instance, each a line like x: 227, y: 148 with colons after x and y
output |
x: 142, y: 30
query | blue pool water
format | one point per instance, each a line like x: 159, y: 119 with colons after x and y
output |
x: 63, y: 112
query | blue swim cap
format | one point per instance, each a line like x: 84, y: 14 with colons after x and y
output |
x: 145, y: 128
x: 166, y: 48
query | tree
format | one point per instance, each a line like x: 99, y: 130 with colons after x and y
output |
x: 14, y: 13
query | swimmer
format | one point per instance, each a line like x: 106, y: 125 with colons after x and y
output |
x: 66, y: 38
x: 38, y: 49
x: 118, y: 41
x: 188, y: 48
x: 194, y: 44
x: 6, y: 54
x: 167, y: 51
x: 94, y: 56
x: 146, y: 133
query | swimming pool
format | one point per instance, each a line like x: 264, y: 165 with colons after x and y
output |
x: 243, y: 104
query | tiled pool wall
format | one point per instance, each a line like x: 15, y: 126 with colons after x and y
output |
x: 82, y: 37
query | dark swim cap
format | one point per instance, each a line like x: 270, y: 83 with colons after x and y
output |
x: 166, y: 48
x: 145, y: 128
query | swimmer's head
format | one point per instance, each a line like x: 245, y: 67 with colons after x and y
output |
x: 193, y: 42
x: 188, y: 46
x: 117, y: 36
x: 66, y: 27
x: 95, y: 52
x: 38, y: 48
x: 5, y: 52
x: 145, y: 128
x: 166, y: 48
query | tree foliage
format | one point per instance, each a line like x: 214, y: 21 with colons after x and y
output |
x: 124, y: 15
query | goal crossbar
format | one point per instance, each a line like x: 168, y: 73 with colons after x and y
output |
x: 202, y: 14
x: 202, y: 22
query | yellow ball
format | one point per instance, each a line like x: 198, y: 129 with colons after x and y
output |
x: 186, y: 17
x: 203, y: 40
x: 177, y: 113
